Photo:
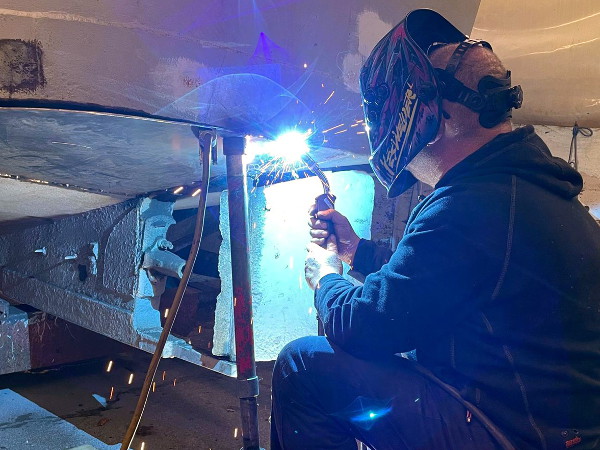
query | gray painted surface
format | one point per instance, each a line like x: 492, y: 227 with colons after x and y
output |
x: 14, y: 342
x: 90, y: 274
x: 26, y: 426
x: 67, y: 242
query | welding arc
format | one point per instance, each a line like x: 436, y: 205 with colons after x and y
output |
x: 189, y: 265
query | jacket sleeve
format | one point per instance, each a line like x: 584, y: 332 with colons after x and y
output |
x: 370, y: 257
x: 444, y: 266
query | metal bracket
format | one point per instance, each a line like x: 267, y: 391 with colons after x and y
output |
x: 248, y: 388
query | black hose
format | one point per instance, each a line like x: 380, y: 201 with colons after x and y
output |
x: 494, y: 431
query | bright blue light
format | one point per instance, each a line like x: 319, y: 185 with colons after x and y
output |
x: 288, y: 146
x: 366, y: 417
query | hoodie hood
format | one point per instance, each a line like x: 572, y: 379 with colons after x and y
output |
x: 522, y: 153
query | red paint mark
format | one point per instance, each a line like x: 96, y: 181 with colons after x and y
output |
x: 244, y: 335
x: 573, y: 442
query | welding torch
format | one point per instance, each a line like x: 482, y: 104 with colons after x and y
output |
x: 326, y: 200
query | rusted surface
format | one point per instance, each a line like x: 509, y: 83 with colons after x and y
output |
x: 54, y: 341
x: 31, y: 339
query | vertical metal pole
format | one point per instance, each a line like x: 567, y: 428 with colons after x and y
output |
x: 233, y: 148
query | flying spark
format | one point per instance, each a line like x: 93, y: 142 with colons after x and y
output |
x: 273, y: 159
x: 109, y: 367
x: 130, y: 378
x: 166, y: 314
x: 196, y: 192
x: 178, y: 190
x: 329, y: 98
x: 333, y: 128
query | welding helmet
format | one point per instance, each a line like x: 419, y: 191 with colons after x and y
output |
x: 402, y: 94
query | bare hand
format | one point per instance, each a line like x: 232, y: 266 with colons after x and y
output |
x: 321, y: 261
x: 321, y: 222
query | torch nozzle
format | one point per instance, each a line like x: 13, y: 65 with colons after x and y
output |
x: 327, y: 199
x: 315, y: 169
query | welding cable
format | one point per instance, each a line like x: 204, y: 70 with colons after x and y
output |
x: 584, y: 131
x: 189, y: 265
x: 494, y: 431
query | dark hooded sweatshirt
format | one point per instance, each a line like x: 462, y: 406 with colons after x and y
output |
x: 496, y: 284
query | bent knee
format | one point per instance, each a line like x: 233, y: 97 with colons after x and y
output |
x: 297, y: 356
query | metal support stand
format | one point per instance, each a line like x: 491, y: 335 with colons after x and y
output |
x: 233, y: 148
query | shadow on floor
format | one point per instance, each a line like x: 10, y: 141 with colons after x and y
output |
x: 191, y: 407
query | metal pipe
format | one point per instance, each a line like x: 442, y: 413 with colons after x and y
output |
x: 323, y: 202
x: 233, y: 149
x: 314, y: 168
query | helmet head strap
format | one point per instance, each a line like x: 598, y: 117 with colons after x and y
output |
x: 494, y: 99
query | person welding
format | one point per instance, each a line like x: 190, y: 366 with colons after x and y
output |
x: 495, y: 283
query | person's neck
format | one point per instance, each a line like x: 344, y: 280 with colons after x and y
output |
x: 434, y: 161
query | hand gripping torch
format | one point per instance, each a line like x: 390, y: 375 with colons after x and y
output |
x: 324, y: 202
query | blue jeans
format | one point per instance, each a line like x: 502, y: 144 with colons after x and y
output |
x: 325, y: 398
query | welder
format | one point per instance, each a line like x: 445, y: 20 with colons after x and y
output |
x: 495, y: 285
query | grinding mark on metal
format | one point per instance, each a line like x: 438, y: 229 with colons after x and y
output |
x: 21, y: 68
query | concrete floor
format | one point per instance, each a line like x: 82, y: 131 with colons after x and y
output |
x: 191, y: 408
